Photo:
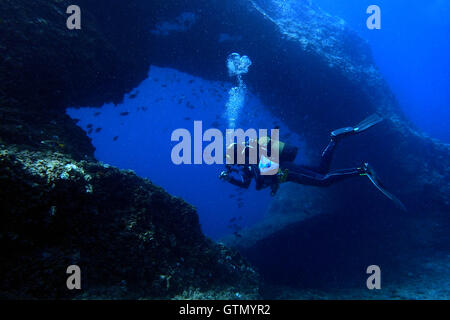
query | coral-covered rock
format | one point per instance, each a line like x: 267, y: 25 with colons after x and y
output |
x: 38, y: 131
x: 130, y: 238
x: 58, y: 205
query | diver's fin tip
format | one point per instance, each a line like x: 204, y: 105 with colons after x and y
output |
x: 369, y: 122
x: 370, y: 173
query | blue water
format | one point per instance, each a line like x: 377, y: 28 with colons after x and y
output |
x: 137, y: 135
x: 412, y: 49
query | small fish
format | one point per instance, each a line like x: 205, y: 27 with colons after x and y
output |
x: 187, y: 118
x: 191, y: 81
x: 115, y: 138
x: 89, y: 126
x: 90, y: 131
x: 124, y: 113
x: 237, y: 234
x: 164, y: 85
x: 97, y: 114
x: 144, y: 108
x: 98, y: 130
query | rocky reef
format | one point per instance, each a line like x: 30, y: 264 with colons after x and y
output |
x: 129, y: 237
x: 59, y: 206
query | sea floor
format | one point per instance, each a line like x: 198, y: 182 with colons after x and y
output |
x: 430, y: 282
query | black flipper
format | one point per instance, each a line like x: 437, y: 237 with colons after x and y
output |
x: 360, y: 127
x: 372, y: 177
x: 367, y: 123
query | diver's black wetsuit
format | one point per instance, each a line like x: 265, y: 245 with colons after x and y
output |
x: 315, y: 176
x: 307, y: 175
x: 321, y: 175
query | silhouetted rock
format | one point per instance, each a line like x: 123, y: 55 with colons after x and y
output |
x: 129, y: 237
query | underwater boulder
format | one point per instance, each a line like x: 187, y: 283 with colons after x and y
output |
x: 129, y: 237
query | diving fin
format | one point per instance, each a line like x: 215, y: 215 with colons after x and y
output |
x: 367, y: 123
x: 370, y: 173
x: 360, y: 127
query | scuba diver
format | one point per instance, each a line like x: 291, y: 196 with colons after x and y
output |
x: 241, y: 175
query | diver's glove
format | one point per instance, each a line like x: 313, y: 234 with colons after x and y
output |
x: 224, y: 176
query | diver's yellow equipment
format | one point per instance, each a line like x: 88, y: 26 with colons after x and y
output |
x: 282, y: 175
x: 264, y: 142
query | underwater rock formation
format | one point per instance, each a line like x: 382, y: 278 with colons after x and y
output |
x: 39, y: 131
x: 46, y: 66
x: 58, y: 205
x: 129, y: 237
